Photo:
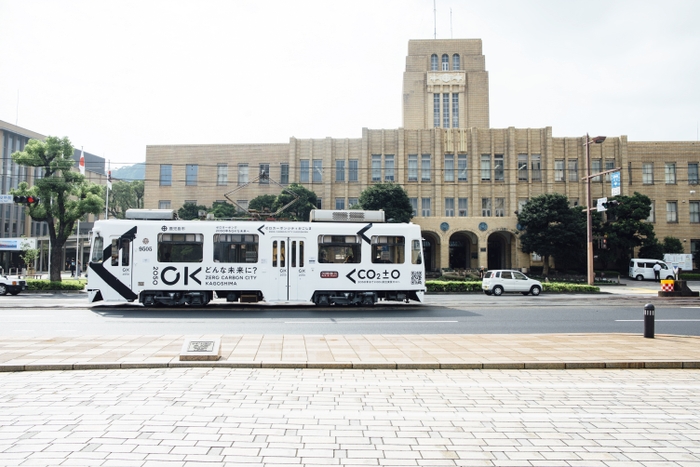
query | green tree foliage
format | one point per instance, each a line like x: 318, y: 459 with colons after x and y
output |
x: 672, y: 245
x: 66, y: 196
x: 627, y: 229
x: 263, y: 203
x: 190, y: 211
x: 651, y: 248
x: 390, y: 197
x: 551, y: 228
x: 125, y: 195
x: 300, y: 209
x: 223, y: 210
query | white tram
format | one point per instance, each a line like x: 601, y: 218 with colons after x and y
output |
x: 339, y: 258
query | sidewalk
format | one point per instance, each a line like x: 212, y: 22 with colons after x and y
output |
x: 447, y: 351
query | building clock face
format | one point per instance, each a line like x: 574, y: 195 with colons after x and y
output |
x: 483, y: 226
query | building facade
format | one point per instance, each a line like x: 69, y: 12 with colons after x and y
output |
x: 466, y: 181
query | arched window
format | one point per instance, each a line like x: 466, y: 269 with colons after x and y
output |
x: 455, y: 62
x: 445, y: 62
x: 433, y: 62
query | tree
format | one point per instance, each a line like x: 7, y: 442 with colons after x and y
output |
x: 190, y: 211
x: 551, y: 228
x: 628, y: 228
x: 29, y: 256
x: 65, y: 196
x: 223, y: 210
x: 672, y: 245
x: 300, y: 209
x: 263, y: 203
x: 125, y: 195
x: 390, y: 197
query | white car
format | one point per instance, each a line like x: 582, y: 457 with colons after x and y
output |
x: 505, y: 280
x: 11, y: 285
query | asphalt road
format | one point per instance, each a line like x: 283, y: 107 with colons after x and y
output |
x: 46, y: 314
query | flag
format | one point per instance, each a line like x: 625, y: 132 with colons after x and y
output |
x: 81, y: 164
x: 109, y: 179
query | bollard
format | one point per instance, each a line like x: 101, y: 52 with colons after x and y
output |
x: 649, y: 320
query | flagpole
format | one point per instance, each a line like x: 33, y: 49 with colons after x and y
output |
x: 81, y: 167
x: 109, y: 185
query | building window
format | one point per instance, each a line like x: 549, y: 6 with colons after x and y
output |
x: 319, y: 203
x: 462, y: 167
x: 449, y: 207
x: 376, y: 168
x: 264, y: 174
x: 499, y: 208
x: 536, y: 164
x: 648, y: 173
x: 340, y: 203
x: 425, y: 207
x: 222, y: 174
x: 352, y: 202
x: 596, y: 167
x: 573, y: 170
x: 652, y: 214
x: 694, y: 212
x: 692, y: 173
x: 339, y: 170
x: 670, y: 172
x: 166, y: 175
x: 486, y: 207
x: 318, y: 171
x: 434, y: 62
x: 191, y: 171
x: 413, y: 167
x: 436, y: 110
x: 352, y: 170
x: 455, y: 62
x: 242, y: 205
x: 304, y: 171
x: 463, y: 207
x: 498, y: 167
x: 284, y: 174
x: 672, y: 211
x: 389, y: 168
x: 164, y: 204
x: 559, y: 171
x: 521, y: 204
x: 425, y: 168
x: 486, y: 167
x: 242, y: 174
x: 414, y: 206
x: 446, y: 110
x: 445, y: 62
x: 455, y: 110
x: 449, y: 168
x: 609, y: 165
x: 522, y: 167
x: 629, y: 172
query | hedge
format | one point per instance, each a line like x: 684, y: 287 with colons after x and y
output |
x: 45, y: 284
x: 475, y: 286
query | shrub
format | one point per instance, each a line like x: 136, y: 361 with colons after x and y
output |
x: 45, y: 284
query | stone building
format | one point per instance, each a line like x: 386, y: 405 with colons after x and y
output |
x: 465, y: 180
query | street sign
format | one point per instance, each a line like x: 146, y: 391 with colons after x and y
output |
x: 6, y: 199
x: 600, y: 206
x: 615, y: 183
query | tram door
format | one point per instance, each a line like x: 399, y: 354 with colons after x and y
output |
x: 119, y: 262
x: 288, y: 264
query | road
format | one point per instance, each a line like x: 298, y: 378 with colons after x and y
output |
x: 70, y: 314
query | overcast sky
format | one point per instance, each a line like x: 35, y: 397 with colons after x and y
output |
x: 115, y: 76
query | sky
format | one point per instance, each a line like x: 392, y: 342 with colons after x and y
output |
x: 116, y: 76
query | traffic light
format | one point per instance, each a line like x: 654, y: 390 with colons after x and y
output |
x: 20, y: 199
x: 26, y: 200
x: 32, y: 200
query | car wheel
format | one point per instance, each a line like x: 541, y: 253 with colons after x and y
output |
x: 670, y: 278
x: 3, y: 289
x: 639, y: 277
x: 535, y: 290
x: 498, y: 290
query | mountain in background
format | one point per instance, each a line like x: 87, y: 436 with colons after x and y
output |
x: 130, y: 173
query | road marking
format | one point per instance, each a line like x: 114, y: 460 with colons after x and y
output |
x: 366, y: 322
x: 665, y: 320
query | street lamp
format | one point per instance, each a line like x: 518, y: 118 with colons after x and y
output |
x: 589, y: 224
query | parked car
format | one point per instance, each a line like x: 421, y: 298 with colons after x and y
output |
x: 11, y: 285
x: 498, y: 281
x: 643, y: 268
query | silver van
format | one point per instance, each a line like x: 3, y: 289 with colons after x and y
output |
x: 643, y: 268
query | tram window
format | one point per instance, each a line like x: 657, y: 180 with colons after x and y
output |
x: 339, y: 249
x: 126, y: 248
x: 180, y: 248
x: 115, y: 252
x: 282, y: 253
x: 301, y: 253
x: 388, y: 249
x: 97, y: 249
x: 235, y: 248
x: 274, y: 254
x: 416, y: 253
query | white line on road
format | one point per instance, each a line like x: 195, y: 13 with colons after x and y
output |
x: 366, y: 322
x: 664, y: 320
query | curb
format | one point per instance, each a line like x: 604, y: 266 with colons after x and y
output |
x: 616, y: 365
